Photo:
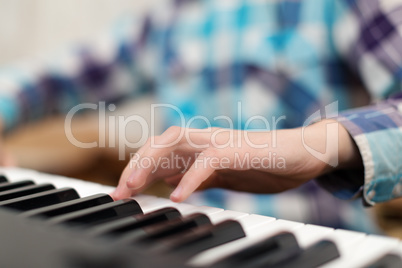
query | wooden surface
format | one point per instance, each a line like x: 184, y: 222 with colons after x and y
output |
x: 44, y: 147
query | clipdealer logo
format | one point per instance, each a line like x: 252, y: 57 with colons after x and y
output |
x: 109, y: 123
x: 330, y: 111
x: 148, y: 129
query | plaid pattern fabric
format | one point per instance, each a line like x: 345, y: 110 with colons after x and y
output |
x: 376, y: 131
x: 242, y: 59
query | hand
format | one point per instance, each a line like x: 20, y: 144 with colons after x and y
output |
x: 260, y: 162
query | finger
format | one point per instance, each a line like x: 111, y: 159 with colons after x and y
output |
x: 149, y: 157
x: 200, y: 171
x: 122, y: 191
x: 128, y: 176
x: 154, y: 165
x: 129, y: 169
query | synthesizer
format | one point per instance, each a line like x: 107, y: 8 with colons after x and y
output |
x: 53, y: 221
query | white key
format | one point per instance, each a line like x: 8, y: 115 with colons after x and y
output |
x: 344, y: 239
x: 84, y: 188
x: 143, y: 198
x: 227, y: 215
x: 253, y: 220
x: 209, y: 211
x: 151, y: 203
x: 364, y: 251
x: 310, y: 234
x: 274, y: 227
x: 397, y: 250
x: 17, y: 173
x: 185, y: 209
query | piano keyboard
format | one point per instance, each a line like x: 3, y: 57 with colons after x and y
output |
x: 53, y: 221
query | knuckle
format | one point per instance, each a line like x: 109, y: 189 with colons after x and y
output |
x: 211, y: 152
x: 171, y: 135
x: 172, y: 130
x: 157, y: 141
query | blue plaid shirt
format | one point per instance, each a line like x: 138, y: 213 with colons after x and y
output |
x: 272, y: 58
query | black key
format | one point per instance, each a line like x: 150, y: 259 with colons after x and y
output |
x: 69, y: 206
x: 199, y: 239
x: 174, y: 227
x: 30, y: 243
x: 132, y: 224
x: 99, y: 214
x: 13, y: 185
x: 39, y: 200
x: 24, y: 191
x: 386, y: 261
x: 265, y: 253
x: 3, y: 179
x: 313, y: 256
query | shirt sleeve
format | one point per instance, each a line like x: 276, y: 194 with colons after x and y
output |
x: 108, y: 69
x: 369, y: 38
x: 377, y: 132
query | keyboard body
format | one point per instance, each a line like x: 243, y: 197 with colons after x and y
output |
x: 29, y: 242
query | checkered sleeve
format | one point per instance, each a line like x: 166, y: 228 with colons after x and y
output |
x: 106, y: 69
x: 377, y: 132
x: 369, y: 37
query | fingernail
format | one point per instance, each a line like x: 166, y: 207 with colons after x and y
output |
x: 131, y: 180
x: 177, y: 193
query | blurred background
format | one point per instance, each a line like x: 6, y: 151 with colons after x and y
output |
x: 31, y: 30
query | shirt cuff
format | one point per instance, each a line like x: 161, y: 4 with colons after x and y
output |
x: 8, y: 112
x: 377, y: 132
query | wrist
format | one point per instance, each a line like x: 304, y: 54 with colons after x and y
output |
x: 349, y: 154
x: 335, y: 143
